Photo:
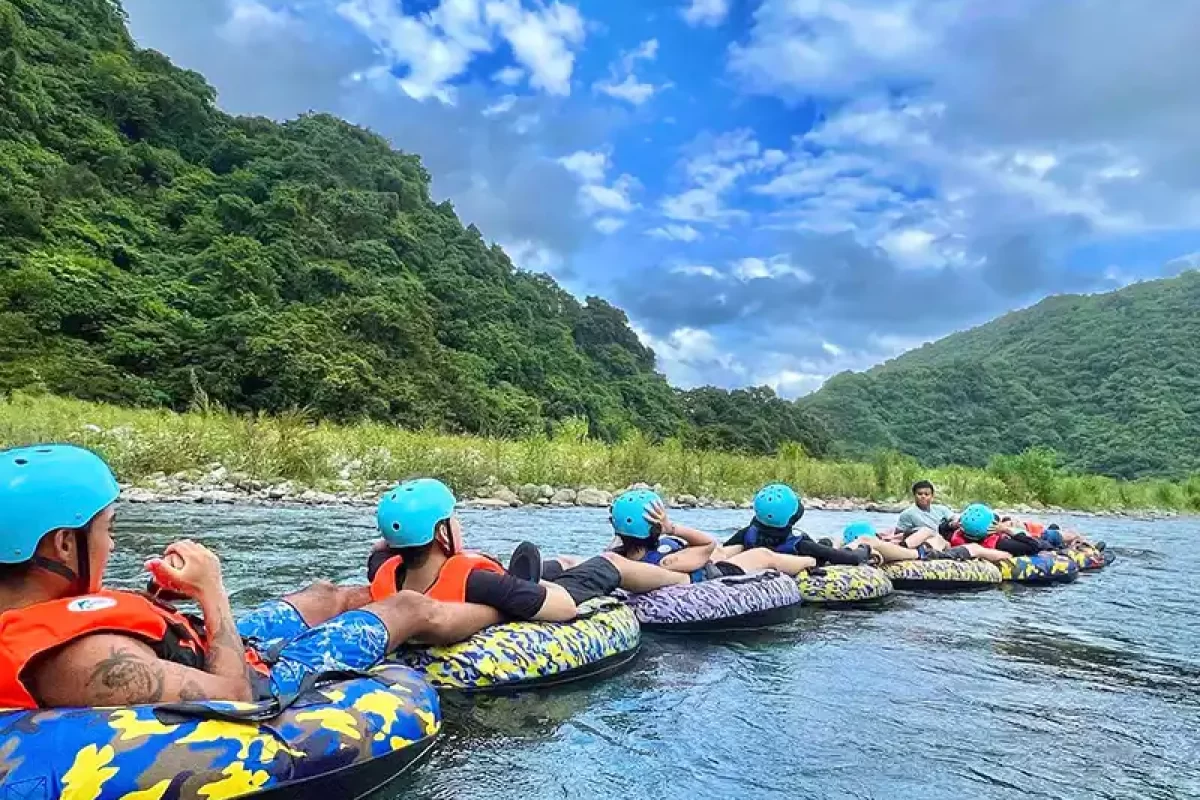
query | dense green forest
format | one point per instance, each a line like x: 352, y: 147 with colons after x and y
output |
x: 155, y: 250
x: 1110, y: 382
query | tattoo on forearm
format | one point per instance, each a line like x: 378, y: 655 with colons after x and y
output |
x: 191, y: 690
x: 125, y: 677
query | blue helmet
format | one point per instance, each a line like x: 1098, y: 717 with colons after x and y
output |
x: 976, y: 519
x: 777, y: 506
x: 47, y: 487
x: 856, y: 530
x: 628, y: 512
x: 407, y: 516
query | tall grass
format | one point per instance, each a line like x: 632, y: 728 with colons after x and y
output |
x: 142, y: 442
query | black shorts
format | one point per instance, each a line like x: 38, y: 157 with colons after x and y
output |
x: 593, y: 578
x: 727, y: 569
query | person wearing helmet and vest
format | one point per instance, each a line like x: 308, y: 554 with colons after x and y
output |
x: 777, y: 509
x: 648, y: 535
x: 65, y: 640
x: 981, y: 526
x: 422, y: 550
x: 893, y: 546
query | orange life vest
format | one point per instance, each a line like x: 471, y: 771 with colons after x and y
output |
x: 1036, y: 529
x: 451, y: 583
x: 26, y: 633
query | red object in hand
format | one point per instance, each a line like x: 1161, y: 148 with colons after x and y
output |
x: 161, y: 582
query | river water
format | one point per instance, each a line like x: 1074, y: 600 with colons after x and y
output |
x: 1086, y: 690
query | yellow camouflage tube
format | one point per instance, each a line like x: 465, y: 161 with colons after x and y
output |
x: 842, y: 584
x: 1044, y: 568
x: 518, y: 655
x: 342, y: 739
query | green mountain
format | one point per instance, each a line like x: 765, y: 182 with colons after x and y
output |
x: 1110, y: 381
x: 155, y: 250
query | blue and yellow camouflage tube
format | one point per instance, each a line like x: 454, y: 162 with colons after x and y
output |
x: 342, y: 739
x: 520, y: 655
x: 839, y: 584
x: 1044, y: 568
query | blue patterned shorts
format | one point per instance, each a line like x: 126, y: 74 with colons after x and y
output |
x: 353, y: 640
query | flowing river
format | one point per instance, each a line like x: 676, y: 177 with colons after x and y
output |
x: 1086, y: 690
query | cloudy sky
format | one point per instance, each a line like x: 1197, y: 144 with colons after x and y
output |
x: 775, y: 190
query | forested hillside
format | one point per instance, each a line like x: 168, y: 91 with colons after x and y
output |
x: 155, y: 250
x: 1111, y: 382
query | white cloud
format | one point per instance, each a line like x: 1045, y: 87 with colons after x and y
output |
x: 249, y: 20
x: 692, y: 356
x: 831, y: 348
x: 609, y: 225
x: 706, y: 12
x: 827, y: 47
x: 509, y: 76
x: 623, y: 84
x: 541, y: 40
x: 589, y: 166
x: 675, y: 233
x: 698, y: 269
x: 439, y: 45
x: 532, y: 256
x: 609, y: 198
x: 909, y: 246
x: 717, y: 165
x: 792, y: 383
x: 748, y: 269
x: 630, y: 89
x: 501, y: 106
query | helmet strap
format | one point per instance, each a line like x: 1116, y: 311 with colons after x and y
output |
x: 80, y: 579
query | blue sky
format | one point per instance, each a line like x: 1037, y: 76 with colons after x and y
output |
x: 774, y: 190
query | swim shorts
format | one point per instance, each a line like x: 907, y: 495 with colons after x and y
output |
x: 354, y: 640
x: 960, y: 553
x: 593, y: 578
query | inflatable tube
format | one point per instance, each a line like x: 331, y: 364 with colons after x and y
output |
x: 1088, y: 558
x: 521, y: 655
x: 1042, y: 569
x: 742, y: 602
x: 942, y: 575
x: 344, y: 739
x: 835, y: 584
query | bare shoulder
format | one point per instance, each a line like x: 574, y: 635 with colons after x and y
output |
x: 99, y: 670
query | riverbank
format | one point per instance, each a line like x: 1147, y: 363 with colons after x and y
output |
x: 223, y: 488
x: 214, y: 456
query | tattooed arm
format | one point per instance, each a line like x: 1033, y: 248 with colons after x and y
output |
x: 113, y: 670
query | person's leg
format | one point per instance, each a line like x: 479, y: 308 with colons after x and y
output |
x: 760, y: 558
x: 889, y: 550
x: 291, y: 615
x: 920, y: 537
x: 830, y: 555
x: 594, y: 578
x: 639, y: 577
x: 986, y: 553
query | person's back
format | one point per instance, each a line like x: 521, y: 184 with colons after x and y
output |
x: 423, y: 551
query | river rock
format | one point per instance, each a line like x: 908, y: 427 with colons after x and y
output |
x: 593, y: 498
x: 219, y: 496
x: 563, y: 497
x: 686, y: 500
x: 281, y: 491
x: 487, y: 502
x: 529, y: 492
x: 814, y: 503
x: 885, y: 508
x: 139, y: 496
x: 545, y: 491
x: 507, y: 495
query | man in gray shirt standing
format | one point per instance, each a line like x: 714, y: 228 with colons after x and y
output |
x: 924, y: 513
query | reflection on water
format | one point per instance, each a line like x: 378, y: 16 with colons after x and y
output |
x: 1087, y: 690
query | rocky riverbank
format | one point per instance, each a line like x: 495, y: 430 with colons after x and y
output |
x: 219, y: 486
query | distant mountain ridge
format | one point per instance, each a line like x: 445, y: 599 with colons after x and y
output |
x: 1110, y: 381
